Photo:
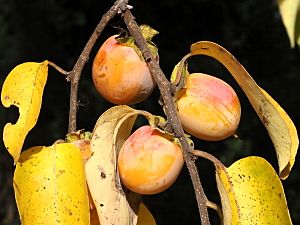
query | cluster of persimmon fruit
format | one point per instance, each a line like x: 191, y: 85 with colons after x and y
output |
x: 150, y: 160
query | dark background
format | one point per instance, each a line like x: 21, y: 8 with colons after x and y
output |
x: 57, y: 30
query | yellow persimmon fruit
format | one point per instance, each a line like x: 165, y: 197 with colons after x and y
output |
x: 120, y: 75
x: 208, y: 107
x: 149, y: 162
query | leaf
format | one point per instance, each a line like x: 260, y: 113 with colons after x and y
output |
x: 144, y: 216
x: 290, y: 13
x: 253, y: 186
x: 290, y: 158
x: 297, y: 31
x: 110, y: 132
x: 280, y: 127
x: 148, y: 32
x: 50, y: 187
x: 23, y: 88
x: 230, y: 207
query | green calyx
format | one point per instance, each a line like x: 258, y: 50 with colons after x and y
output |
x: 178, y: 78
x: 148, y: 33
x: 78, y: 135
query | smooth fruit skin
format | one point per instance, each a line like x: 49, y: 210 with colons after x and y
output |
x: 208, y: 107
x: 85, y: 149
x: 119, y: 75
x: 148, y: 162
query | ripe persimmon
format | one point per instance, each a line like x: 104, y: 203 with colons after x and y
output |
x: 149, y: 162
x: 120, y: 73
x: 208, y: 107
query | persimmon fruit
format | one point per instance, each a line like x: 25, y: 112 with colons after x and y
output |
x: 120, y: 74
x: 81, y: 139
x: 149, y: 162
x: 208, y: 107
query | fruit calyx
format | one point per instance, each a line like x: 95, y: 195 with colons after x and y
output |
x: 179, y: 75
x: 148, y: 33
x: 81, y: 139
x: 78, y: 135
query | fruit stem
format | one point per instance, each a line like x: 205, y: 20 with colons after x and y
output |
x: 59, y: 69
x: 209, y: 157
x: 217, y: 208
x: 75, y: 74
x: 171, y: 112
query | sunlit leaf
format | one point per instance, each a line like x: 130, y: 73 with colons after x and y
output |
x: 23, y: 88
x: 290, y: 13
x: 50, y: 187
x: 144, y: 216
x: 278, y: 124
x: 297, y: 31
x: 253, y: 186
x: 110, y: 132
x: 230, y: 208
x: 148, y: 32
x: 290, y: 158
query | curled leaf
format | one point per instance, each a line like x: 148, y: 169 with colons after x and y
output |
x: 280, y: 127
x: 251, y: 193
x: 50, y: 187
x: 290, y: 12
x: 230, y: 207
x: 110, y: 132
x: 23, y: 88
x: 144, y: 216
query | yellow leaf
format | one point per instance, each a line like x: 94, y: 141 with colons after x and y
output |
x: 50, y: 187
x: 110, y: 132
x: 294, y: 142
x: 230, y: 208
x: 253, y: 185
x: 23, y: 88
x: 289, y: 10
x: 144, y: 216
x: 280, y: 127
x: 297, y: 31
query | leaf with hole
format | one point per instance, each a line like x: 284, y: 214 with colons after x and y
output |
x: 23, y: 88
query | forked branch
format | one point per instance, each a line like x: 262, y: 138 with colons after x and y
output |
x: 75, y: 74
x: 120, y: 6
x: 165, y: 89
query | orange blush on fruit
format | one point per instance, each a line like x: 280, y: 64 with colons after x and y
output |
x: 149, y: 162
x: 208, y: 107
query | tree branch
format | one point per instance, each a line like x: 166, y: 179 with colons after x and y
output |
x: 208, y: 156
x: 75, y: 74
x: 161, y: 80
x: 165, y: 89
